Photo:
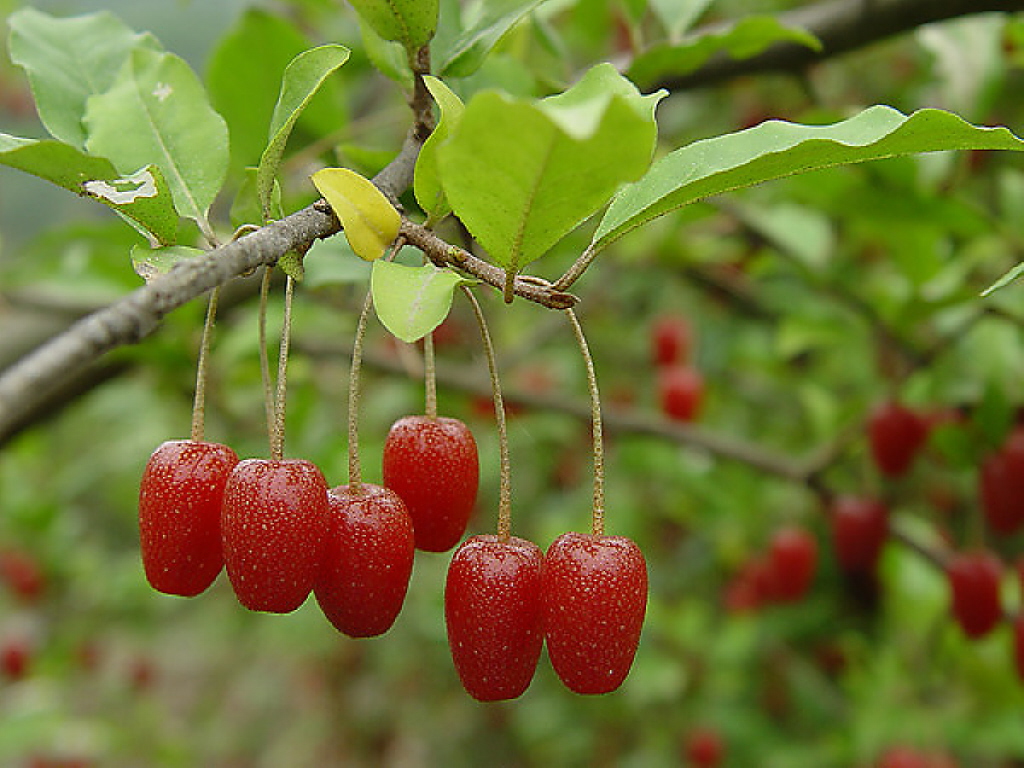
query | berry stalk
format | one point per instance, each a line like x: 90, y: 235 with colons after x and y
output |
x: 268, y: 398
x: 199, y: 403
x: 430, y: 376
x: 505, y: 471
x: 280, y: 397
x: 355, y: 473
x: 597, y: 515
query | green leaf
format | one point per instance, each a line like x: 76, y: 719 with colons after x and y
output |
x: 246, y: 208
x: 150, y: 263
x: 677, y: 16
x: 389, y: 58
x: 1005, y: 280
x: 749, y: 37
x: 776, y: 149
x: 69, y: 60
x: 467, y: 52
x: 409, y: 22
x: 157, y: 112
x: 522, y: 174
x: 427, y: 183
x: 142, y: 198
x: 413, y: 301
x: 302, y: 79
x: 370, y: 221
x: 244, y: 78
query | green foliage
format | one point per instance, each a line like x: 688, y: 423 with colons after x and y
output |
x: 412, y: 301
x: 409, y: 22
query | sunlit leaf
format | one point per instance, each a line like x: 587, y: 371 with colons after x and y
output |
x: 413, y: 301
x: 427, y: 185
x: 370, y: 221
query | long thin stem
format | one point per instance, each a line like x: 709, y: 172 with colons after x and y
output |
x: 268, y: 397
x: 280, y: 397
x: 199, y: 403
x: 430, y: 376
x: 355, y: 475
x: 597, y: 515
x: 505, y: 471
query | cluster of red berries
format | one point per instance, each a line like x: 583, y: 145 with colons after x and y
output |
x: 281, y: 534
x: 680, y: 385
x: 784, y: 574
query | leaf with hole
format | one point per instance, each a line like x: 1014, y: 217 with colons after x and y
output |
x: 157, y: 112
x: 370, y: 221
x: 142, y: 198
x: 302, y: 79
x: 776, y: 148
x: 413, y: 301
x: 150, y: 263
x: 521, y: 174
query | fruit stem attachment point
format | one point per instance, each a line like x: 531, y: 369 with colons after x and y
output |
x: 355, y: 475
x: 268, y: 397
x: 597, y: 515
x: 199, y: 403
x: 280, y: 397
x: 430, y: 376
x: 505, y: 472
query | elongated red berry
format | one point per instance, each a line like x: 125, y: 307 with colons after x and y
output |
x: 793, y: 556
x: 1001, y: 485
x: 367, y: 559
x: 492, y: 609
x: 180, y: 499
x: 432, y: 464
x: 680, y: 392
x: 974, y: 588
x: 860, y: 527
x: 595, y: 597
x: 896, y: 435
x: 272, y: 524
x: 671, y: 339
x: 704, y: 747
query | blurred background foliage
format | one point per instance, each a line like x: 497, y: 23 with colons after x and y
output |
x: 811, y: 299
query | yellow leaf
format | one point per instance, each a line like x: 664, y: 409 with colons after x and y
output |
x: 370, y: 221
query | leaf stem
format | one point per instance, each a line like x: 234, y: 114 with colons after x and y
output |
x: 355, y: 476
x: 199, y: 403
x: 430, y: 375
x: 505, y: 472
x: 277, y: 437
x: 268, y: 396
x: 597, y: 515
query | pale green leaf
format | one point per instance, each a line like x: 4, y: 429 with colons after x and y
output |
x: 69, y: 60
x: 412, y: 301
x: 370, y: 221
x: 427, y: 183
x: 302, y: 79
x: 150, y: 263
x: 776, y: 149
x: 142, y: 198
x: 409, y: 22
x: 157, y: 112
x: 1010, y: 277
x: 388, y: 57
x: 464, y: 55
x: 748, y: 37
x: 677, y: 16
x: 521, y: 174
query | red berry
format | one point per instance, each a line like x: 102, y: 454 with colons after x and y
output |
x: 432, y: 465
x: 22, y: 574
x: 860, y: 527
x: 492, y: 608
x: 367, y: 559
x: 180, y: 500
x: 594, y: 592
x: 273, y: 523
x: 974, y: 586
x: 704, y: 747
x: 680, y: 392
x: 793, y: 556
x: 896, y: 434
x: 671, y: 339
x: 15, y: 658
x: 902, y: 757
x: 1001, y: 485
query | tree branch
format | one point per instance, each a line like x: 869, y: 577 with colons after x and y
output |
x: 841, y: 26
